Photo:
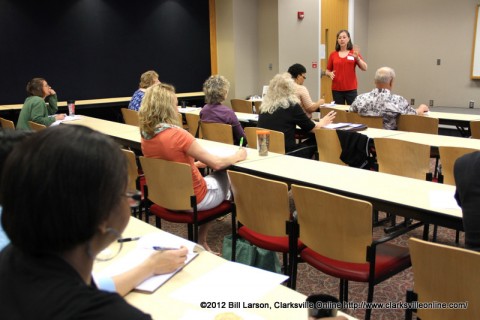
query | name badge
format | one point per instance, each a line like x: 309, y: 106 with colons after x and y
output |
x: 350, y: 58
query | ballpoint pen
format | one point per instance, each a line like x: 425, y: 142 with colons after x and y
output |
x: 241, y: 142
x: 128, y: 239
x: 159, y: 248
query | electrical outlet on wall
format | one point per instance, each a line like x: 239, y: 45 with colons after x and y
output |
x: 412, y: 101
x: 431, y: 103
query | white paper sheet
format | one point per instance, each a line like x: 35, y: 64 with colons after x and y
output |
x: 230, y: 282
x: 443, y: 200
x: 67, y: 118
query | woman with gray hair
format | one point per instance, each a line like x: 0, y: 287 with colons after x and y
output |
x: 281, y: 111
x: 216, y: 90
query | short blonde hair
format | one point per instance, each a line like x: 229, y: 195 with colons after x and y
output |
x: 147, y: 79
x: 158, y: 106
x: 216, y: 89
x: 280, y: 94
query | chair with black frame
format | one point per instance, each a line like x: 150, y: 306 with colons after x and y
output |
x: 342, y: 249
x: 7, y: 124
x: 36, y: 126
x: 134, y: 183
x: 475, y: 129
x: 241, y: 105
x: 170, y: 189
x: 261, y: 214
x: 219, y: 132
x: 130, y: 117
x: 403, y: 158
x: 444, y: 274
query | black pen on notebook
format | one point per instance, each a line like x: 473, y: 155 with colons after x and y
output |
x: 128, y: 239
x: 241, y: 142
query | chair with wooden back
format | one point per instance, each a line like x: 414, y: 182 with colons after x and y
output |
x: 328, y: 145
x: 257, y: 104
x: 260, y: 212
x: 403, y: 158
x: 7, y: 124
x: 445, y: 274
x: 130, y: 117
x: 192, y: 123
x: 170, y: 189
x: 416, y: 123
x: 341, y: 115
x: 36, y: 126
x: 277, y: 139
x: 448, y: 156
x: 133, y: 178
x: 340, y: 248
x: 219, y: 132
x: 371, y: 122
x: 241, y: 105
x: 475, y: 129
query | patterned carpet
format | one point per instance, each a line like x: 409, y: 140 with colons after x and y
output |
x: 311, y: 281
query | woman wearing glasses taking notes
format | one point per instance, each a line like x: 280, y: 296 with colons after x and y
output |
x: 163, y: 138
x: 63, y: 192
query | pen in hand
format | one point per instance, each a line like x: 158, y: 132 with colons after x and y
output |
x: 159, y: 248
x: 241, y: 142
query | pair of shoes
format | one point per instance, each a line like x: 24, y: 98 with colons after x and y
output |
x: 223, y: 217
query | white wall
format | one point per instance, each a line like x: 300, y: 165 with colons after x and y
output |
x: 410, y: 36
x: 299, y: 39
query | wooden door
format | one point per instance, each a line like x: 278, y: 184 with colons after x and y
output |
x: 334, y: 19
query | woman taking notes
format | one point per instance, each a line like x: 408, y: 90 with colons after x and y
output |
x: 341, y: 69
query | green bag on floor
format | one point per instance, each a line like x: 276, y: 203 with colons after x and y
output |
x: 251, y: 255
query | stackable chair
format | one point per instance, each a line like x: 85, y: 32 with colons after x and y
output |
x: 193, y: 120
x: 341, y: 115
x: 7, y: 124
x: 371, y: 122
x: 130, y: 117
x: 337, y: 233
x: 241, y: 105
x: 134, y: 183
x: 261, y: 214
x: 475, y: 129
x: 36, y: 126
x: 444, y: 274
x: 328, y: 145
x: 170, y: 189
x: 219, y: 132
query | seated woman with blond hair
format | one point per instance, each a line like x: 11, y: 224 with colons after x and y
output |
x: 281, y: 111
x: 164, y: 138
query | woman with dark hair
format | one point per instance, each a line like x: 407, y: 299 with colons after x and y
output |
x: 298, y: 73
x: 64, y: 198
x: 341, y: 69
x: 35, y: 107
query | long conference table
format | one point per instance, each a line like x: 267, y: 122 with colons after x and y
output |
x: 402, y: 196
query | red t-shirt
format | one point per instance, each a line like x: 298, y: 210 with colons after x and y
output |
x: 172, y: 144
x: 345, y: 77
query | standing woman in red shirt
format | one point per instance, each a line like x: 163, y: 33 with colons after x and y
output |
x: 341, y: 69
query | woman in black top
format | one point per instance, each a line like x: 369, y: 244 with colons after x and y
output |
x: 281, y: 111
